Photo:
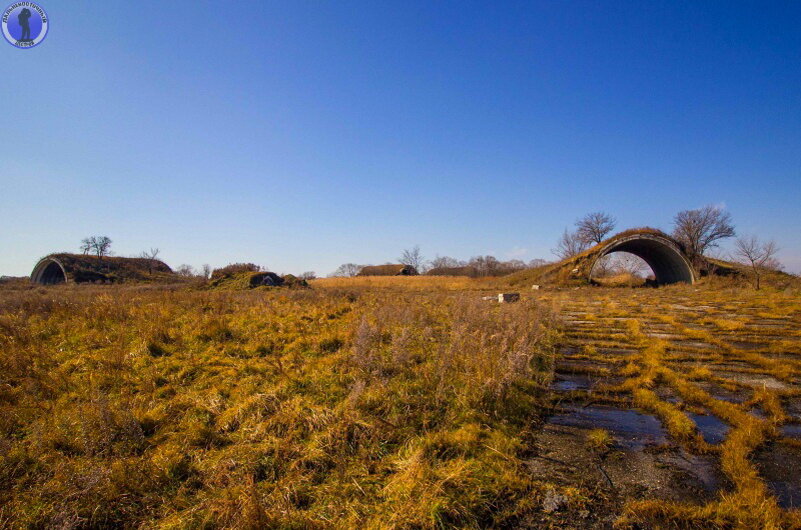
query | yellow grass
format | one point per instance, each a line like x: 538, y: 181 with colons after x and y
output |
x: 366, y: 402
x: 122, y: 407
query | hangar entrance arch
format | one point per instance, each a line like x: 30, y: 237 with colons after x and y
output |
x: 662, y: 255
x: 49, y: 272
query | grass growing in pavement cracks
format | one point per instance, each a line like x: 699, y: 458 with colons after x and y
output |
x: 174, y: 408
x: 664, y: 361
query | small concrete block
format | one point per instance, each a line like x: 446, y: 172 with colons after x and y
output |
x: 535, y: 287
x: 507, y: 298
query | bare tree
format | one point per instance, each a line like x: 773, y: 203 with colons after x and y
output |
x: 413, y: 257
x: 537, y: 262
x: 569, y: 245
x: 603, y: 267
x: 150, y: 256
x: 593, y: 227
x: 627, y: 263
x: 702, y: 229
x: 185, y: 270
x: 308, y: 275
x: 97, y: 245
x: 485, y: 265
x: 513, y: 265
x: 347, y: 270
x: 206, y: 271
x: 445, y: 261
x: 758, y: 255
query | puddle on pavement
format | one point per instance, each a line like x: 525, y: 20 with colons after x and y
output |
x: 792, y: 430
x: 712, y: 428
x: 631, y: 429
x: 570, y: 382
x: 778, y: 465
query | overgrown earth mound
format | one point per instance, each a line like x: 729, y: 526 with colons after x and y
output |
x: 666, y: 256
x: 578, y: 269
x: 82, y: 268
x: 248, y: 276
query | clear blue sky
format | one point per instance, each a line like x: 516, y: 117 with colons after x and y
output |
x: 301, y: 135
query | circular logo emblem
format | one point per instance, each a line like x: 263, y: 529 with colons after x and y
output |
x: 25, y: 24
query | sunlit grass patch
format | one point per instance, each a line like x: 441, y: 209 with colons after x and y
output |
x: 599, y: 439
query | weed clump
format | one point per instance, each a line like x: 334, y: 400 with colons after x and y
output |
x: 599, y: 439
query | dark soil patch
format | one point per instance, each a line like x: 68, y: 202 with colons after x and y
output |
x: 617, y: 352
x: 748, y: 345
x: 665, y: 393
x: 718, y: 392
x: 582, y: 366
x: 780, y: 466
x: 659, y: 472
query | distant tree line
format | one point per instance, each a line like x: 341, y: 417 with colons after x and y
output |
x: 479, y: 265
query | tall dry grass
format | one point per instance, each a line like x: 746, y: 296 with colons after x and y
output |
x: 327, y: 407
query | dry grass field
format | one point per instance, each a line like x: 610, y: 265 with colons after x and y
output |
x: 182, y: 408
x: 399, y: 403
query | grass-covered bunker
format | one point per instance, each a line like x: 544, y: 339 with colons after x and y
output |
x: 82, y: 268
x: 664, y: 255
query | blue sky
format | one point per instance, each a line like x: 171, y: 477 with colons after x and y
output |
x: 301, y: 135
